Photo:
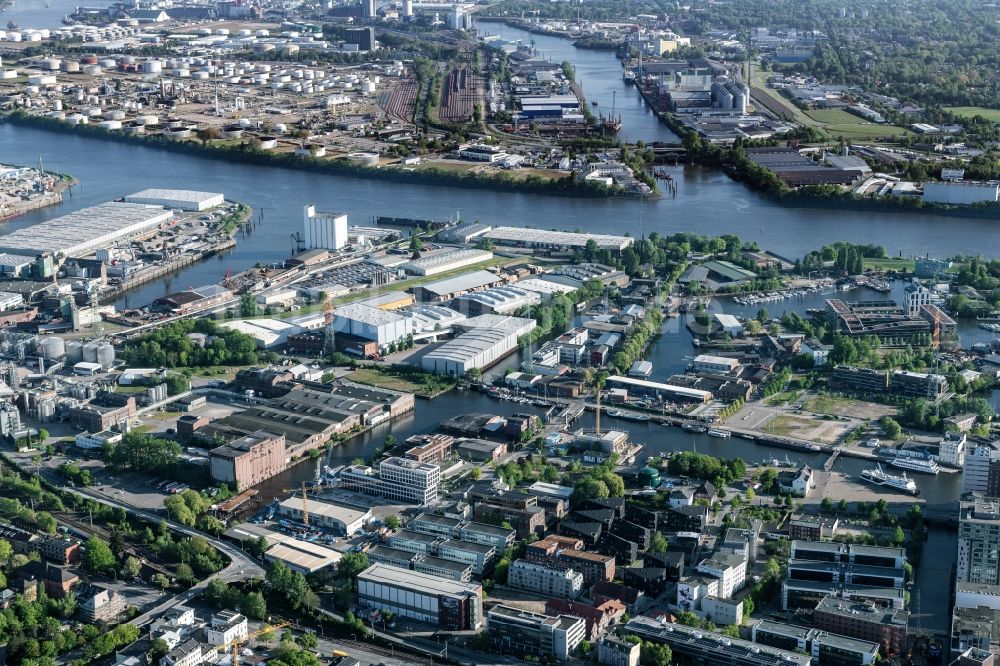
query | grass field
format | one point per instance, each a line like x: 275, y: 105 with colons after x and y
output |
x: 841, y: 406
x: 396, y: 383
x: 890, y: 264
x: 970, y: 111
x: 838, y: 122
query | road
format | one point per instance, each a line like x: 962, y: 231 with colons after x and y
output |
x: 241, y: 567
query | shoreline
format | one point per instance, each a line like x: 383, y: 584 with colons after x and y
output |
x: 567, y: 186
x: 53, y: 198
x: 804, y: 199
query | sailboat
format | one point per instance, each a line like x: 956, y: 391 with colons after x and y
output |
x: 612, y: 123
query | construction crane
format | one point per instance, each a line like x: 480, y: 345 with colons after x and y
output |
x: 236, y: 644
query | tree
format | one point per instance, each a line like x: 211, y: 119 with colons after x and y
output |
x: 131, y: 568
x: 652, y: 654
x: 5, y: 551
x: 97, y: 556
x: 416, y: 244
x: 898, y: 536
x: 826, y: 504
x: 475, y: 473
x: 254, y: 606
x: 890, y: 427
x: 158, y: 649
x: 43, y: 435
x: 351, y: 564
x: 248, y: 305
x: 842, y: 506
x: 161, y: 581
x: 392, y: 522
x: 185, y: 574
x: 658, y: 543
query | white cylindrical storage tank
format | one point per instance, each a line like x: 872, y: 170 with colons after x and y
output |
x: 71, y: 67
x: 90, y: 352
x: 106, y: 355
x: 74, y: 119
x: 263, y: 33
x: 110, y: 124
x: 368, y: 87
x: 200, y: 76
x: 53, y: 347
x: 244, y: 33
x: 280, y: 128
x: 222, y: 31
x: 6, y: 74
x: 13, y: 36
x: 74, y: 351
x: 114, y: 114
x: 147, y: 120
x: 268, y: 142
x: 57, y: 105
x: 110, y: 63
x: 51, y: 64
x: 92, y: 70
x: 152, y: 67
x: 57, y: 115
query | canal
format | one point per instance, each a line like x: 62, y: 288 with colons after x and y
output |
x: 599, y: 74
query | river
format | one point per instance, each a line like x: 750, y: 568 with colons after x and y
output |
x: 42, y: 13
x: 708, y: 202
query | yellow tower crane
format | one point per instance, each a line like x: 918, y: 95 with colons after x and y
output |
x: 238, y: 643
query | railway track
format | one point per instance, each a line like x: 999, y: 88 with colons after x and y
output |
x: 461, y: 91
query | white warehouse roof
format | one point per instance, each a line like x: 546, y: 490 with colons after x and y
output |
x: 557, y: 238
x: 367, y: 314
x: 79, y: 232
x: 179, y: 199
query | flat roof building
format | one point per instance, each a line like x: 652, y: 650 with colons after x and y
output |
x: 710, y: 648
x: 666, y: 391
x: 345, y: 520
x: 449, y: 288
x: 78, y: 233
x: 559, y: 240
x: 445, y: 261
x: 177, y: 199
x: 419, y: 596
x: 479, y: 349
x: 371, y: 323
x: 521, y: 632
x: 249, y: 460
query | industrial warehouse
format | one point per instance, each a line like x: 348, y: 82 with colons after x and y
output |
x: 85, y: 230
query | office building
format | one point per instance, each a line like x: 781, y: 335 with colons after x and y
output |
x: 979, y: 541
x: 327, y: 231
x: 730, y: 569
x: 951, y: 449
x: 708, y: 648
x: 721, y: 365
x: 449, y: 604
x: 866, y: 622
x: 514, y: 631
x: 976, y: 467
x: 397, y: 478
x: 543, y: 580
x: 828, y: 649
x: 249, y: 460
